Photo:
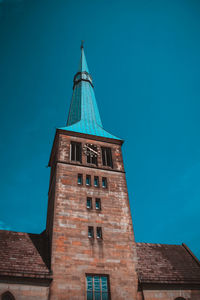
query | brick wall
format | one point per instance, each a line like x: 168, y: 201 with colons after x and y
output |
x: 171, y: 294
x: 73, y: 253
x: 25, y: 291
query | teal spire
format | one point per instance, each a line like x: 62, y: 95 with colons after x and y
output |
x: 84, y: 115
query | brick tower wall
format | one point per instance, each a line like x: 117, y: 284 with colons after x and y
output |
x: 73, y: 254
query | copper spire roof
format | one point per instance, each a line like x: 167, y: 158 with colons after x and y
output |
x: 84, y: 115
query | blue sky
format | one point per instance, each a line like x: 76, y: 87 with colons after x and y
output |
x: 145, y: 62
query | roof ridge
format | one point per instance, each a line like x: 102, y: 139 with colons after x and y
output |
x: 191, y: 253
x: 12, y: 231
x: 22, y: 270
x: 161, y: 244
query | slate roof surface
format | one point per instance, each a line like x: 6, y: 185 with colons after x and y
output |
x: 23, y: 254
x: 161, y: 263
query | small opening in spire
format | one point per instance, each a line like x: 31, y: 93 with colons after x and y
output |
x: 82, y: 42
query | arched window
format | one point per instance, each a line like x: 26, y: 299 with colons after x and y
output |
x: 7, y: 296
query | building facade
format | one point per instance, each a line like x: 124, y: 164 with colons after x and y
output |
x: 88, y: 250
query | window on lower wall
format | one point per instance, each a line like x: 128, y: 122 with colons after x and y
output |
x: 89, y: 202
x: 97, y: 287
x: 96, y: 181
x: 88, y: 180
x: 98, y: 204
x: 104, y: 182
x: 80, y: 179
x: 90, y: 232
x: 99, y: 233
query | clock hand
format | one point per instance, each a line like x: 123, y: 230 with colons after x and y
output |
x: 92, y: 150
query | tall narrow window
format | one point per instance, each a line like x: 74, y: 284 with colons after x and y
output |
x: 89, y: 202
x: 90, y: 232
x: 80, y: 179
x: 88, y: 180
x: 97, y: 287
x: 99, y: 233
x: 98, y: 204
x: 75, y: 151
x: 106, y: 157
x: 104, y: 182
x: 96, y: 181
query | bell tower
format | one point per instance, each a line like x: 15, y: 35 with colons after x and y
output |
x: 89, y: 223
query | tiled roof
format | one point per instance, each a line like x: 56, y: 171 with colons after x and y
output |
x: 23, y: 254
x: 84, y: 114
x: 26, y: 255
x: 158, y: 263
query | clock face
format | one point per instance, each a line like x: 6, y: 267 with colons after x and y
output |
x: 91, y: 150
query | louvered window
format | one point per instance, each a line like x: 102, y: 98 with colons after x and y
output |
x: 106, y: 157
x: 76, y: 151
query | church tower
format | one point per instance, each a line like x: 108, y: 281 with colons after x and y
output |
x: 89, y: 223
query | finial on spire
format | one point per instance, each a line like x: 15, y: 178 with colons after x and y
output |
x: 82, y: 42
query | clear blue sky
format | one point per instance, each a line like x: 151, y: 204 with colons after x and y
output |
x: 144, y: 57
